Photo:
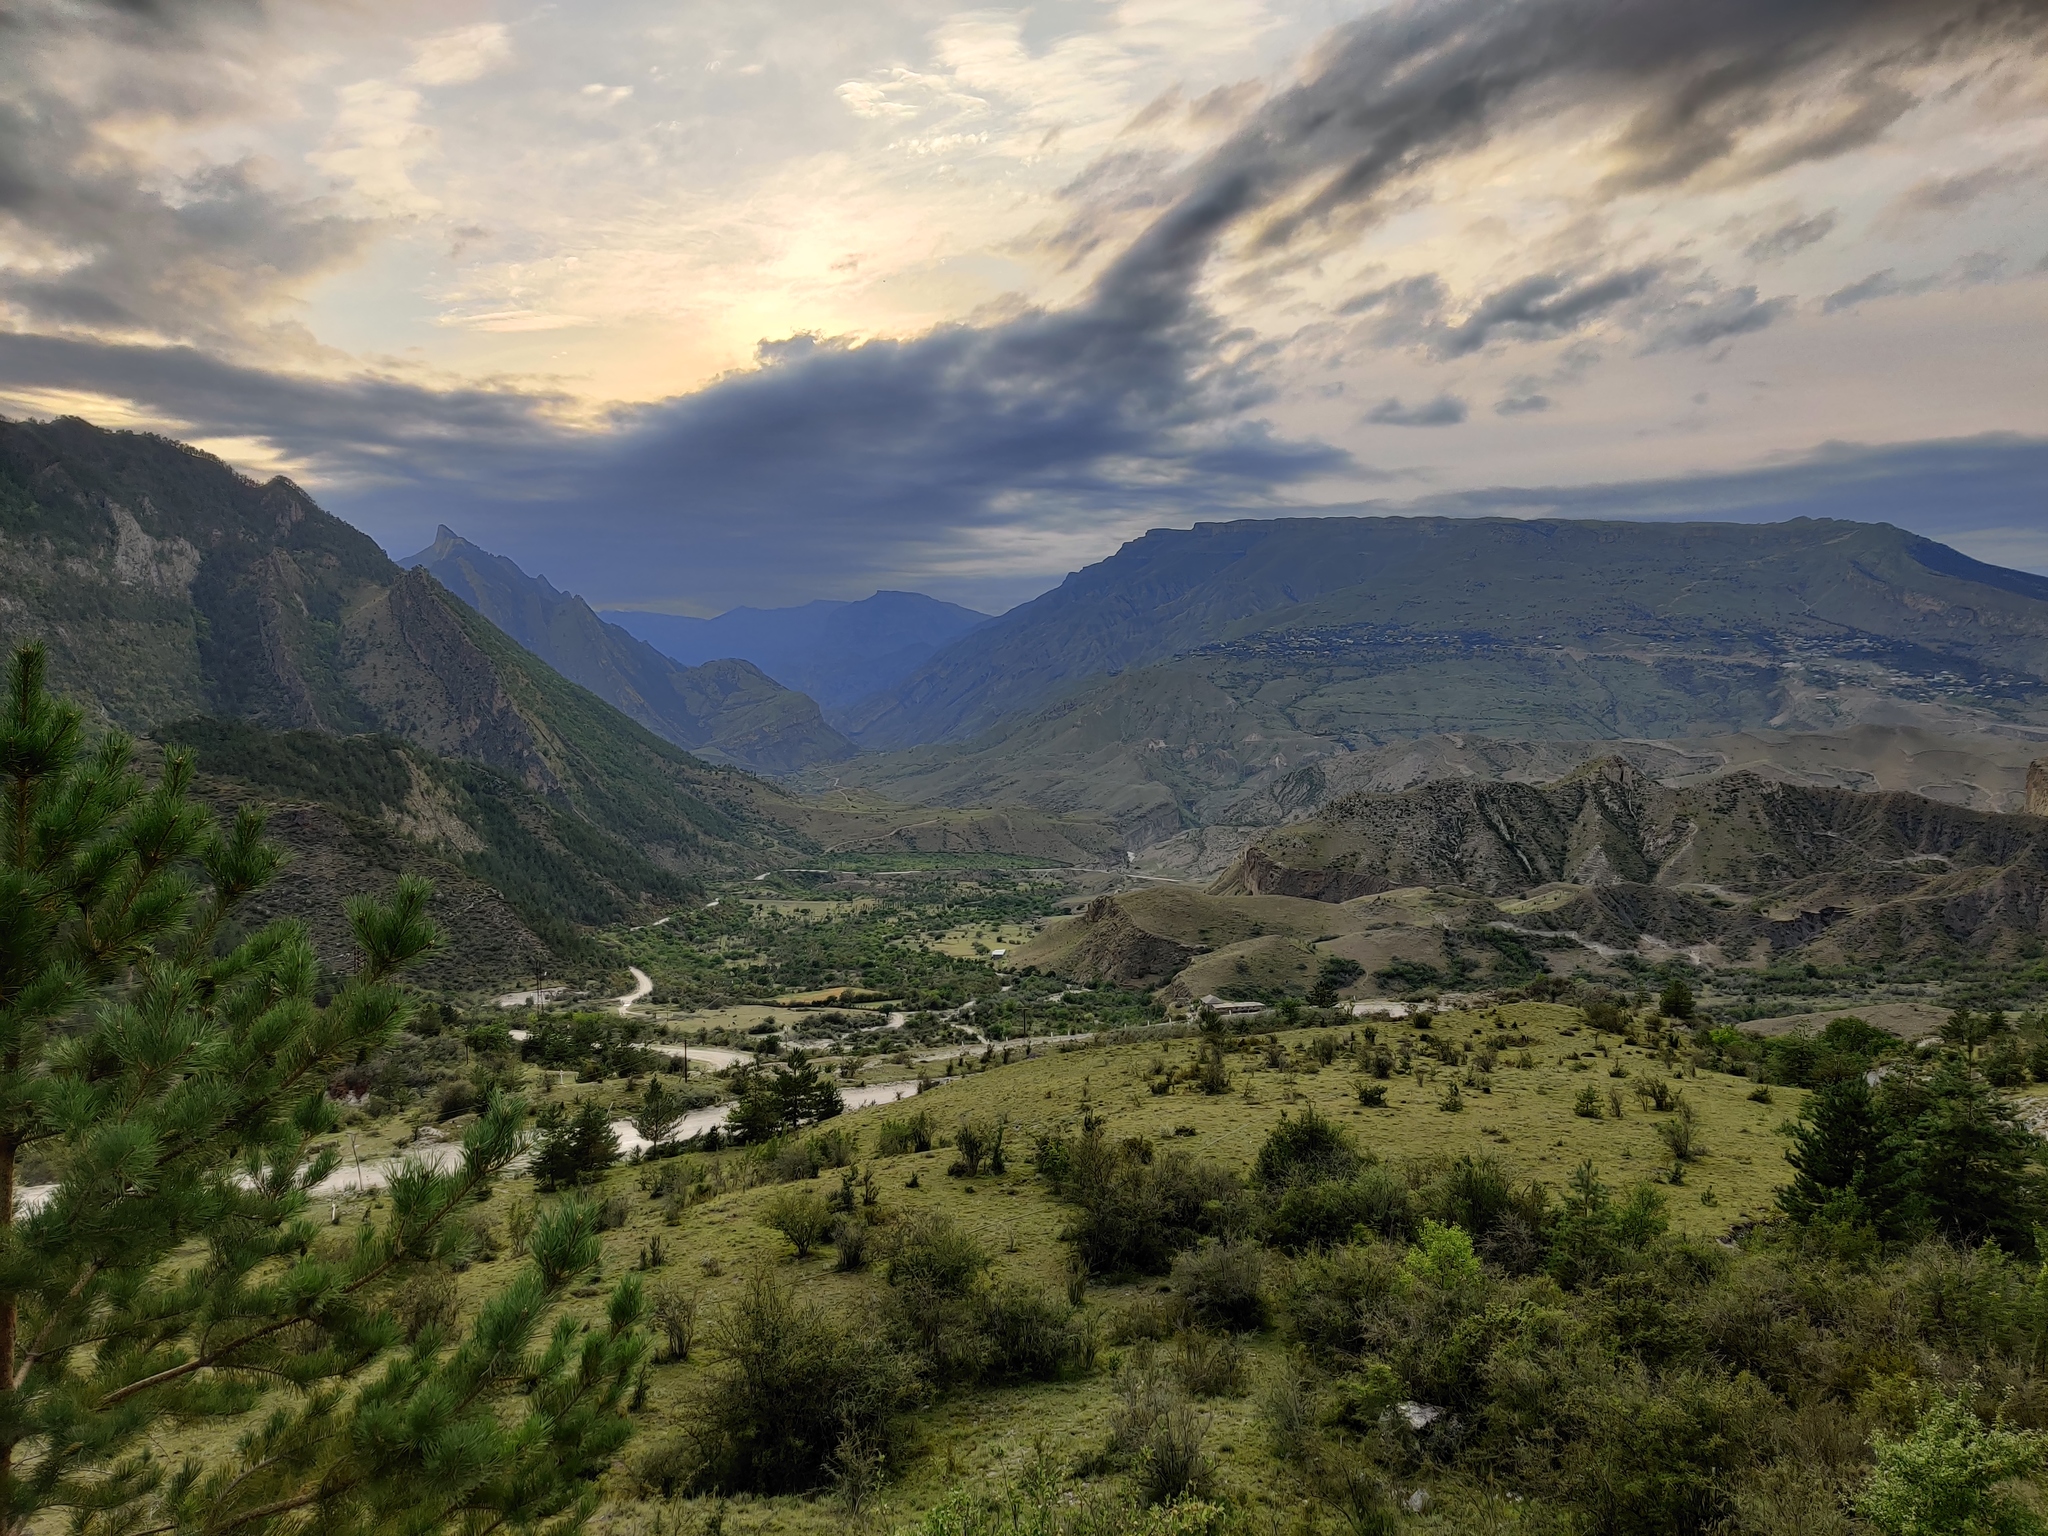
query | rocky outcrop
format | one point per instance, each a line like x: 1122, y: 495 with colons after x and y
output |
x: 1830, y: 871
x: 1114, y: 949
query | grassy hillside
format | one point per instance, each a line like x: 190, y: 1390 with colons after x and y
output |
x: 715, y: 1240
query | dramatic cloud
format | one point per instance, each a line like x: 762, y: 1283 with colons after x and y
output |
x: 103, y: 238
x: 1443, y: 411
x: 1793, y: 235
x: 1199, y: 262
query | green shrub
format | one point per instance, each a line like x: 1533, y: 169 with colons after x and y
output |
x: 979, y: 1144
x: 1134, y: 1212
x: 912, y: 1133
x: 1309, y: 1148
x: 1030, y: 1334
x: 1329, y: 1215
x: 1223, y: 1284
x: 802, y: 1216
x: 1946, y: 1475
x: 1209, y: 1364
x: 789, y: 1385
x: 931, y: 1253
x: 850, y: 1236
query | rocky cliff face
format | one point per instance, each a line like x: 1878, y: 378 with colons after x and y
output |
x: 168, y: 588
x: 1609, y: 854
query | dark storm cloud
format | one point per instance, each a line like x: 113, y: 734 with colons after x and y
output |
x: 1792, y: 235
x: 840, y: 463
x: 1542, y: 307
x: 1705, y: 319
x: 125, y: 250
x: 1443, y: 411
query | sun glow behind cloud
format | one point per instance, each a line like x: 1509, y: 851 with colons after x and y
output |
x: 558, y: 231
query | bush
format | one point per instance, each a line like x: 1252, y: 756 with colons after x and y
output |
x: 1146, y: 1319
x: 1330, y: 1215
x: 1589, y: 1105
x: 1209, y: 1364
x: 850, y: 1238
x: 1327, y: 1298
x: 1945, y: 1476
x: 979, y: 1144
x: 1136, y: 1213
x: 932, y: 1254
x: 802, y: 1216
x: 913, y: 1133
x: 1030, y: 1334
x: 675, y: 1312
x: 1680, y: 1134
x: 789, y: 1387
x: 1153, y: 1428
x: 1309, y: 1149
x: 1223, y: 1284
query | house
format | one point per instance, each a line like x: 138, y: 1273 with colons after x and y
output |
x: 1225, y: 1009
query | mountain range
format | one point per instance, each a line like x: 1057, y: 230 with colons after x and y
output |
x: 839, y: 653
x: 725, y: 709
x: 1157, y: 685
x: 393, y: 724
x: 1691, y: 731
x: 1738, y: 870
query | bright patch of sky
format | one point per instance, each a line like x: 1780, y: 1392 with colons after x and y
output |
x: 574, y: 229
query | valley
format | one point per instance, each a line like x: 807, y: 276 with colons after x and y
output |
x: 1195, y: 1052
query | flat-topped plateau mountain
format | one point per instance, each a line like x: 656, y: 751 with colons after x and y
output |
x: 1192, y: 669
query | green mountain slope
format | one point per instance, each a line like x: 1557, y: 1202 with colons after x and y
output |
x: 1405, y: 625
x: 726, y: 710
x: 168, y: 587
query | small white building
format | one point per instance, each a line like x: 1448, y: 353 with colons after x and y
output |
x: 1225, y: 1009
x: 1380, y: 1010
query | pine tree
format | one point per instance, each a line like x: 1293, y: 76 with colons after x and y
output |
x: 1848, y: 1162
x: 1980, y: 1169
x: 174, y: 1077
x: 660, y: 1114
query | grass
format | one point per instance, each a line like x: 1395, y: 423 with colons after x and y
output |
x: 1527, y: 1121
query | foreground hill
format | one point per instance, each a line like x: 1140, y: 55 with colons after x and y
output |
x: 725, y: 710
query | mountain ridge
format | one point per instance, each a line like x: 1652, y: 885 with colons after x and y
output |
x: 726, y: 709
x: 1381, y: 592
x: 838, y: 653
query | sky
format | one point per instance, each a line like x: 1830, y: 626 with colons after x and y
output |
x: 691, y: 306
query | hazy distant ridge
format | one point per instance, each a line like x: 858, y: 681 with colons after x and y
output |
x: 838, y: 653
